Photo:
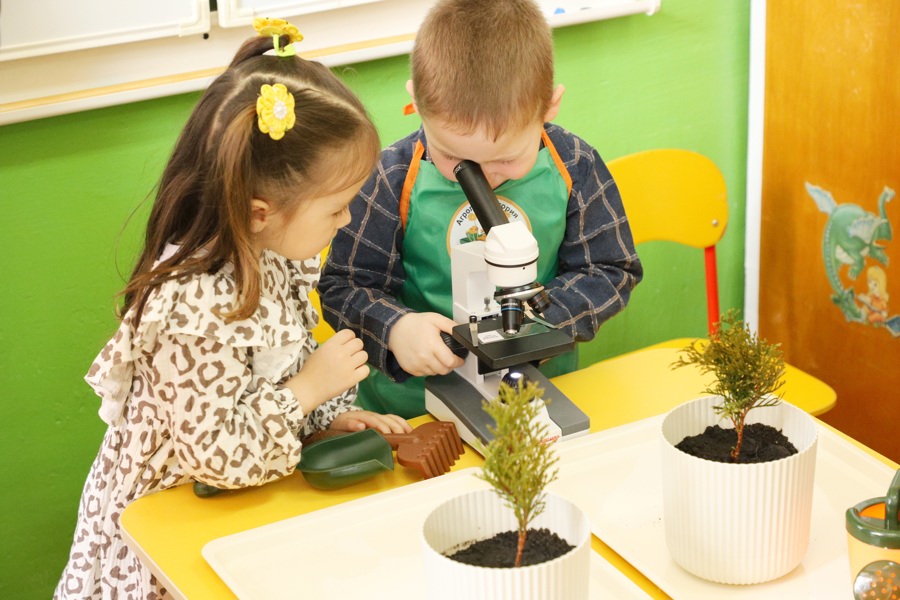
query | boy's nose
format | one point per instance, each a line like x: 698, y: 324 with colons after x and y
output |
x: 499, y: 172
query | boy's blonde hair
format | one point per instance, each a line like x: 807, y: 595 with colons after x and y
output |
x: 483, y: 64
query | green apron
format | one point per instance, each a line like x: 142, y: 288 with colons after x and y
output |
x: 439, y: 216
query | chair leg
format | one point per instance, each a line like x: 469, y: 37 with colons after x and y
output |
x: 712, y: 288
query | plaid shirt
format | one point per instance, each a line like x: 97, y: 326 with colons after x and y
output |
x: 598, y: 266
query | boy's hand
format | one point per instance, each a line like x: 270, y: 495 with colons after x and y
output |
x: 357, y: 420
x: 415, y: 340
x: 337, y: 365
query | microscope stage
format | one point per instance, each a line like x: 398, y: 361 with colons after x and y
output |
x: 533, y: 342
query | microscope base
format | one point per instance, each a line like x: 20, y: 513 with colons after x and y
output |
x: 451, y: 398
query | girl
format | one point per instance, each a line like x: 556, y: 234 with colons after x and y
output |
x: 213, y: 374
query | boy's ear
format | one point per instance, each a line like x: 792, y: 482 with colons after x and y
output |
x: 260, y: 215
x: 555, y: 102
x: 412, y: 95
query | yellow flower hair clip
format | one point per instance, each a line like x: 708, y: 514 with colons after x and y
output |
x: 277, y: 28
x: 275, y: 109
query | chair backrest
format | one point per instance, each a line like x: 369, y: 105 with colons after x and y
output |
x: 677, y: 196
x: 323, y: 330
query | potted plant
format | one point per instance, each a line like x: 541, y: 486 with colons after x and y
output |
x: 513, y: 540
x: 742, y: 516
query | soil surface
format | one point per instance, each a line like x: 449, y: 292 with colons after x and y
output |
x: 541, y: 545
x: 762, y: 443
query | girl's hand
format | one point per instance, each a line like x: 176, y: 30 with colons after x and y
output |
x: 415, y: 340
x: 357, y: 420
x: 337, y: 365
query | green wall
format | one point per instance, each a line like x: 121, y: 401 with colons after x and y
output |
x: 69, y: 184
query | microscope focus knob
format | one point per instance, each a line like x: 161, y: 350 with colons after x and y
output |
x: 455, y: 347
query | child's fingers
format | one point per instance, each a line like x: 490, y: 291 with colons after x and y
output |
x: 441, y: 322
x: 392, y: 426
x: 372, y: 421
x: 347, y: 422
x: 384, y: 424
x: 358, y: 358
x: 361, y: 372
x: 341, y: 337
x: 448, y: 360
x: 397, y: 424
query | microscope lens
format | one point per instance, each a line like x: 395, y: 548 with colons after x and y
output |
x: 540, y: 301
x: 511, y: 315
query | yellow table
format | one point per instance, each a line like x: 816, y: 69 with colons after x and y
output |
x: 169, y: 528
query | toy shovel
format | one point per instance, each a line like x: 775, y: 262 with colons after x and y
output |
x: 337, y: 461
x: 334, y: 461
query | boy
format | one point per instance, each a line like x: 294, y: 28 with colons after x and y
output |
x: 482, y: 82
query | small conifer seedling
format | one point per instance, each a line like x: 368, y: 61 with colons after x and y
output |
x: 748, y: 371
x: 517, y: 462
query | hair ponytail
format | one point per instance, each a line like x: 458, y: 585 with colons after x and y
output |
x: 209, y: 212
x: 232, y: 173
x: 257, y: 46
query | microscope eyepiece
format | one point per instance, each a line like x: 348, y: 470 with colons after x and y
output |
x: 480, y: 195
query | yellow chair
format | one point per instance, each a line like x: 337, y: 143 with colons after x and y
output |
x: 323, y: 330
x: 676, y: 196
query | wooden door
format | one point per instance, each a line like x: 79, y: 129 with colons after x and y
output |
x: 830, y: 268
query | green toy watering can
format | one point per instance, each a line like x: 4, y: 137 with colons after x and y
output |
x: 873, y: 537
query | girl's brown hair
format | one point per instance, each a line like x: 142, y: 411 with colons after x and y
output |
x: 483, y: 63
x: 222, y: 160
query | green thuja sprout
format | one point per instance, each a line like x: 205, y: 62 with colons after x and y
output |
x: 748, y: 371
x: 517, y: 462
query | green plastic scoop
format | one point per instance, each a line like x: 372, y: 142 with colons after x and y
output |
x: 335, y: 460
x: 342, y: 460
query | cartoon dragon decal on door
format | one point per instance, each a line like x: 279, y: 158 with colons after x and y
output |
x: 851, y: 238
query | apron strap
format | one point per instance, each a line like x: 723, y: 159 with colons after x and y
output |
x: 410, y: 181
x: 557, y: 161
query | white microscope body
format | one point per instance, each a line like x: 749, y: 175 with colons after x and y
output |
x: 493, y: 282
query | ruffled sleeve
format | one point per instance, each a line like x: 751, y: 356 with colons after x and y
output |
x: 193, y: 306
x: 231, y: 427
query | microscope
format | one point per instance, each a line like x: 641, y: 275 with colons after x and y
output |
x: 497, y: 300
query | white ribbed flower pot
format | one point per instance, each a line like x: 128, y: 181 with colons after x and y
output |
x: 481, y: 515
x: 737, y: 523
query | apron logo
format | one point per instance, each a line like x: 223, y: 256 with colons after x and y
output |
x: 465, y: 228
x: 851, y: 238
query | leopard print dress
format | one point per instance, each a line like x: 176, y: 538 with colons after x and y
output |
x: 188, y: 396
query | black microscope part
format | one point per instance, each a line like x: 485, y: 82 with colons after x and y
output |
x: 511, y: 315
x: 455, y: 347
x: 480, y: 195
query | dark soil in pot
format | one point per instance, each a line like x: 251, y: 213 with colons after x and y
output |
x: 541, y: 545
x: 762, y: 443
